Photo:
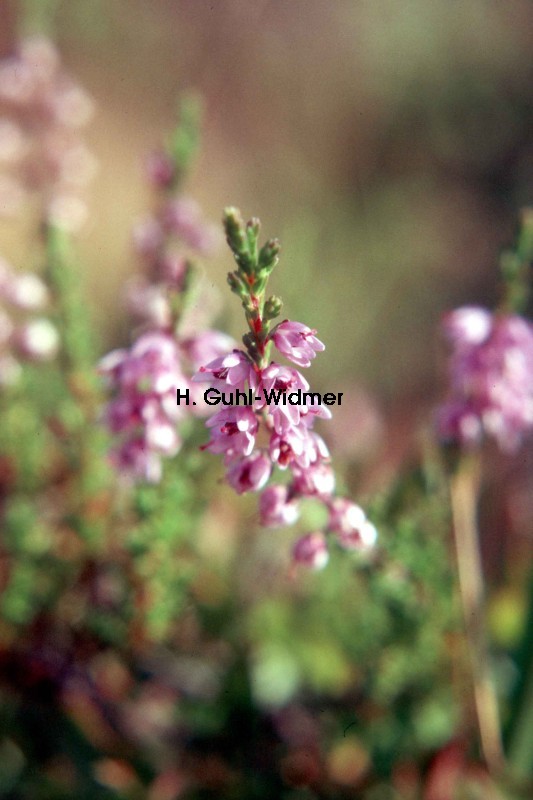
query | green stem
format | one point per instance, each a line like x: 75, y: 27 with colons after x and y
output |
x: 78, y: 349
x: 82, y: 441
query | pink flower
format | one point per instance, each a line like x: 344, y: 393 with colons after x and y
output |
x: 143, y: 413
x: 296, y: 341
x: 205, y: 347
x: 25, y: 291
x: 362, y: 538
x: 152, y: 365
x: 149, y: 303
x: 491, y: 381
x: 42, y: 110
x: 466, y: 326
x: 172, y: 270
x: 234, y: 369
x: 233, y: 432
x: 297, y: 446
x: 134, y: 458
x: 182, y: 217
x: 345, y: 516
x: 312, y: 410
x: 348, y: 521
x: 160, y: 169
x: 249, y: 474
x: 36, y: 340
x: 275, y: 507
x: 290, y: 447
x: 148, y: 237
x: 311, y: 551
x: 317, y: 480
x: 26, y: 337
x: 276, y: 383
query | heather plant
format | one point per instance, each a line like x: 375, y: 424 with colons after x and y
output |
x: 171, y: 342
x: 157, y: 638
x: 490, y: 399
x: 44, y: 157
x: 282, y: 410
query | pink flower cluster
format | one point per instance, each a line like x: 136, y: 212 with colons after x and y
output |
x: 41, y: 112
x: 172, y: 342
x: 21, y: 336
x: 288, y: 442
x: 490, y: 379
x: 143, y: 414
x: 163, y: 242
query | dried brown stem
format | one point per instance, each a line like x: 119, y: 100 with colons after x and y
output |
x: 464, y: 490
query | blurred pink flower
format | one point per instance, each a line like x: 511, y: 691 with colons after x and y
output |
x: 250, y: 473
x: 36, y: 340
x: 348, y: 521
x: 205, y: 347
x: 491, y: 379
x: 311, y: 551
x: 23, y: 336
x: 41, y: 151
x: 143, y: 412
x: 275, y: 507
x: 182, y: 217
x: 317, y: 480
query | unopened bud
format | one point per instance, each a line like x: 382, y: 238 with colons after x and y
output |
x: 235, y: 231
x: 273, y: 307
x: 268, y: 255
x: 236, y: 285
x: 160, y: 169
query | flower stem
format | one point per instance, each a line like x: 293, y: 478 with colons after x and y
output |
x: 464, y: 490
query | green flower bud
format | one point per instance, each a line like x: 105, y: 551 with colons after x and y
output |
x: 272, y: 307
x: 268, y: 255
x: 236, y: 284
x: 235, y: 231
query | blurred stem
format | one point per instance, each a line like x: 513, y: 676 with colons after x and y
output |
x: 464, y: 491
x: 186, y: 137
x: 72, y: 309
x: 77, y: 413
